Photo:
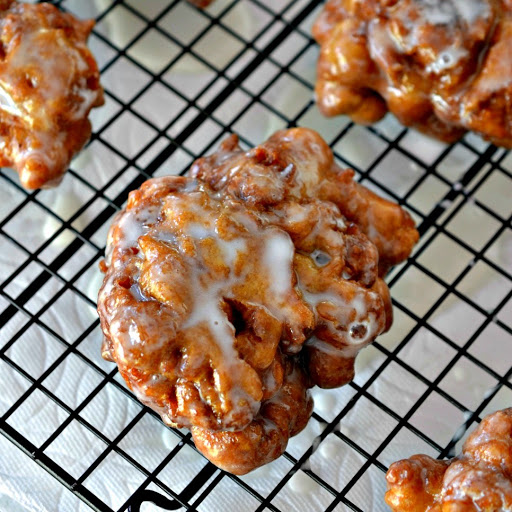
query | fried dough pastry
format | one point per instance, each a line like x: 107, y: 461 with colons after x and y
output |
x: 297, y: 165
x: 480, y: 479
x: 49, y: 81
x: 265, y: 438
x: 229, y: 292
x: 440, y: 66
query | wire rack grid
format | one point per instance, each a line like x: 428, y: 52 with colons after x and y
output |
x: 177, y: 81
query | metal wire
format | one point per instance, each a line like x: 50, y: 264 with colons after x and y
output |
x: 205, y: 115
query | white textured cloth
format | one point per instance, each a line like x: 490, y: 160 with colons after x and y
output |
x: 26, y: 487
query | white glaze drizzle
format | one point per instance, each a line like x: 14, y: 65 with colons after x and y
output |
x: 277, y: 251
x: 364, y: 320
x: 54, y: 83
x: 278, y: 258
x: 7, y: 103
x: 446, y: 60
x: 134, y: 224
x: 208, y: 295
x: 446, y: 12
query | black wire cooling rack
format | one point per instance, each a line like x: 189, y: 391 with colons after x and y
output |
x: 177, y: 81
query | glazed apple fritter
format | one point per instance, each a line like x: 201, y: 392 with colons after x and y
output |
x: 480, y: 479
x: 231, y: 291
x: 49, y: 82
x: 441, y: 66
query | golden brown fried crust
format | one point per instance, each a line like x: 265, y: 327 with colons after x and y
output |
x: 49, y: 82
x: 266, y: 437
x: 442, y: 67
x: 233, y: 289
x: 314, y: 174
x: 480, y: 479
